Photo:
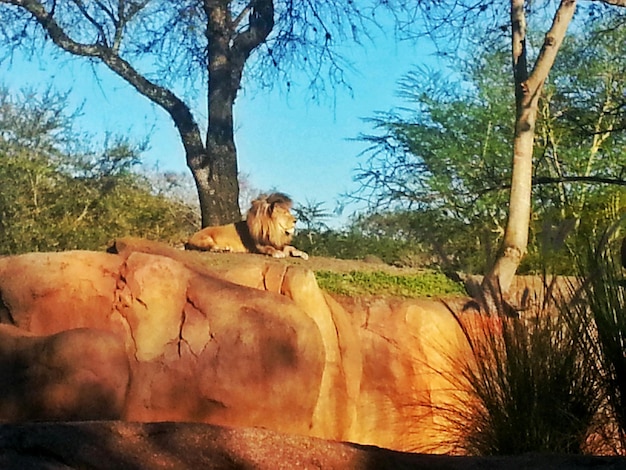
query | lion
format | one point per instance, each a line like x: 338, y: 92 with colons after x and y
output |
x: 268, y: 229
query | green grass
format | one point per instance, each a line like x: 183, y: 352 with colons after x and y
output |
x: 356, y: 283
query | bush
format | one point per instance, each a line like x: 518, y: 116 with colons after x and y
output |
x: 51, y: 208
x: 59, y: 193
x: 352, y: 244
x: 597, y: 315
x: 528, y: 386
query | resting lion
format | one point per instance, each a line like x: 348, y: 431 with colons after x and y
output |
x: 268, y: 229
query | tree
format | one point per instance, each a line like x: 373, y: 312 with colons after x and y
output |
x: 434, y: 163
x: 440, y: 163
x: 582, y: 129
x: 455, y: 19
x: 159, y: 46
x: 528, y: 88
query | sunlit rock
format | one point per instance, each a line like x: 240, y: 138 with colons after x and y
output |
x: 237, y: 340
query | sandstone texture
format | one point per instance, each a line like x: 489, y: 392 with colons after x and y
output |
x: 77, y: 374
x: 150, y: 333
x: 148, y: 357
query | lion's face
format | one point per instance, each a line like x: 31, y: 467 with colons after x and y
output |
x: 286, y: 221
x: 270, y: 220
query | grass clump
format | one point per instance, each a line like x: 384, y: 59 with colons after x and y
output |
x: 357, y: 283
x: 526, y: 386
x: 551, y: 377
x: 597, y: 313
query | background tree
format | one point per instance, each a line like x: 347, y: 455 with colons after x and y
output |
x: 440, y: 169
x: 581, y: 133
x: 459, y: 22
x: 63, y: 197
x: 163, y: 48
x: 433, y: 164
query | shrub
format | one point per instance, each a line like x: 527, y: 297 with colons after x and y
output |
x: 528, y: 387
x: 60, y: 192
x: 597, y: 315
x: 49, y: 208
x: 352, y: 244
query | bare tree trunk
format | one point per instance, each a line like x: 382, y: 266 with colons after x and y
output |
x: 228, y: 52
x: 527, y: 92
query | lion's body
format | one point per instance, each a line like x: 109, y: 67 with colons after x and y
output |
x: 268, y: 229
x: 220, y: 238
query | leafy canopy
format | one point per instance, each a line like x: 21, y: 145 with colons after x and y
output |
x: 438, y: 170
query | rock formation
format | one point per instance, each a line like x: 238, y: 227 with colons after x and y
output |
x: 120, y: 445
x: 151, y: 333
x: 77, y: 374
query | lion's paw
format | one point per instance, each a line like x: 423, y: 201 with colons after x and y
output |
x: 278, y: 254
x: 300, y: 254
x: 221, y: 249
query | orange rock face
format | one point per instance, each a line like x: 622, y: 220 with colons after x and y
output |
x: 78, y: 374
x: 156, y: 334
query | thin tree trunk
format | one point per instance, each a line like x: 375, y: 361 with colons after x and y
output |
x: 527, y: 92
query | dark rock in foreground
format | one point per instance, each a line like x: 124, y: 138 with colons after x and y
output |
x: 135, y: 446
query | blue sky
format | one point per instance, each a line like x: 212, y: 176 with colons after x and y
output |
x: 285, y: 141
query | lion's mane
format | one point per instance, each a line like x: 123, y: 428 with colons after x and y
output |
x: 268, y: 219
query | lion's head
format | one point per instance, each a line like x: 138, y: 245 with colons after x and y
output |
x: 270, y: 220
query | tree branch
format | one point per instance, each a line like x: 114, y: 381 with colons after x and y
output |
x: 551, y: 44
x: 618, y: 3
x: 176, y: 108
x: 542, y: 180
x: 81, y: 7
x: 518, y: 49
x: 261, y: 23
x: 108, y: 11
x: 242, y: 14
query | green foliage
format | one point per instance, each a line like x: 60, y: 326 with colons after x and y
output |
x: 357, y: 283
x: 402, y: 238
x: 54, y: 199
x: 353, y: 244
x: 446, y: 155
x: 431, y: 236
x: 312, y: 215
x: 437, y: 169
